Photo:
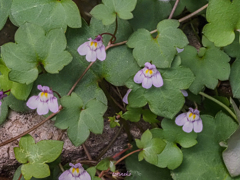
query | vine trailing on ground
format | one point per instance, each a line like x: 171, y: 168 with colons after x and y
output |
x: 165, y: 77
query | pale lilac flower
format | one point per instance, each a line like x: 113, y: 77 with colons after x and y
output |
x: 185, y: 93
x: 2, y: 95
x: 76, y: 172
x: 190, y: 121
x: 180, y: 50
x: 44, y: 102
x: 149, y: 76
x: 125, y: 98
x: 93, y: 49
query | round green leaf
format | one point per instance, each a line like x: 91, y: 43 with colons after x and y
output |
x: 223, y: 18
x: 5, y: 6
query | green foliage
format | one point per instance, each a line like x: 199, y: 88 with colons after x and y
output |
x: 134, y: 115
x: 110, y: 9
x: 167, y: 100
x: 204, y: 160
x: 80, y: 118
x: 34, y: 156
x: 172, y: 156
x: 233, y: 49
x: 234, y: 78
x: 223, y: 18
x: 92, y: 171
x: 189, y: 5
x: 20, y: 91
x: 49, y: 14
x: 142, y: 170
x: 35, y: 49
x: 105, y: 164
x: 148, y: 13
x: 210, y: 64
x: 150, y: 146
x: 5, y: 6
x: 160, y: 50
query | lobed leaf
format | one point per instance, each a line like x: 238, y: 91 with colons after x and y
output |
x: 209, y: 65
x: 49, y: 14
x: 110, y: 9
x: 160, y: 50
x: 5, y: 6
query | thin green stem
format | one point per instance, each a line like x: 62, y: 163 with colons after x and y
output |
x: 220, y: 104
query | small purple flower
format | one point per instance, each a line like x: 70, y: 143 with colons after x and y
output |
x: 93, y: 49
x: 76, y: 172
x: 185, y: 93
x: 149, y: 76
x: 190, y: 121
x: 125, y: 98
x: 44, y: 102
x: 2, y: 95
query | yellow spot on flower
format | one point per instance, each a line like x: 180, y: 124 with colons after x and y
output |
x: 93, y: 43
x: 44, y: 93
x: 146, y: 71
x: 77, y: 170
x: 194, y: 116
x: 150, y: 71
x: 73, y: 169
x: 190, y: 114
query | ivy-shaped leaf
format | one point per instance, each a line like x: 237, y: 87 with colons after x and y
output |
x: 20, y: 91
x: 134, y: 115
x: 160, y: 50
x: 151, y: 147
x: 110, y: 9
x: 234, y: 78
x: 49, y: 14
x: 222, y: 22
x: 119, y: 64
x: 35, y: 156
x: 141, y: 170
x: 172, y: 156
x: 34, y: 50
x: 80, y: 118
x: 149, y: 19
x: 205, y: 159
x: 5, y: 6
x: 167, y: 100
x: 209, y: 65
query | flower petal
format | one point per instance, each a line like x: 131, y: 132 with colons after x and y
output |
x: 180, y: 50
x: 198, y: 126
x: 138, y: 78
x: 125, y: 98
x: 83, y: 49
x: 188, y: 127
x: 91, y: 56
x: 53, y: 104
x: 147, y: 83
x: 185, y: 93
x: 101, y: 53
x: 181, y: 119
x: 157, y: 80
x: 66, y: 175
x: 84, y: 176
x: 0, y: 103
x: 148, y: 65
x: 42, y: 108
x: 33, y: 102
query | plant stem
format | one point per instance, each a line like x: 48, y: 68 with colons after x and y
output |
x: 115, y: 32
x: 111, y: 143
x: 87, y: 152
x: 123, y: 151
x: 61, y: 167
x: 173, y: 10
x: 20, y: 176
x: 102, y: 173
x: 219, y: 103
x: 193, y: 14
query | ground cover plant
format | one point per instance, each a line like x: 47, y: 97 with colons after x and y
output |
x: 60, y: 64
